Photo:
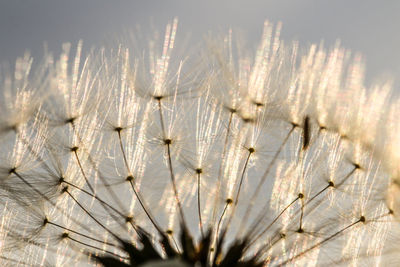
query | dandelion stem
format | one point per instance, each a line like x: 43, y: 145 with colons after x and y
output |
x: 362, y: 219
x: 138, y: 196
x: 170, y: 167
x: 13, y: 171
x: 242, y: 177
x: 330, y: 184
x: 46, y: 198
x: 146, y: 210
x: 161, y: 117
x: 228, y: 202
x: 123, y: 151
x: 238, y: 192
x: 348, y: 175
x: 264, y: 177
x: 269, y: 167
x: 270, y: 225
x: 171, y: 171
x: 82, y: 171
x: 102, y: 202
x: 97, y: 248
x: 83, y: 235
x: 267, y: 247
x: 90, y: 186
x: 221, y: 165
x: 41, y: 160
x: 175, y: 243
x: 75, y: 150
x: 301, y: 215
x: 106, y: 184
x: 219, y: 182
x: 112, y: 193
x: 198, y: 205
x: 131, y: 182
x: 91, y: 216
x: 319, y: 193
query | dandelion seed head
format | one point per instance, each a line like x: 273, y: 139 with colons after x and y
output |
x: 144, y: 157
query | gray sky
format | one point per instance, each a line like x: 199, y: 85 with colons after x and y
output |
x: 366, y: 26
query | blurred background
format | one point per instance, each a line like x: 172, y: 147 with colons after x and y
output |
x: 366, y: 26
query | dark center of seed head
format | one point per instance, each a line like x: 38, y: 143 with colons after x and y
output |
x: 356, y: 166
x: 247, y: 120
x: 70, y: 120
x: 13, y: 127
x: 129, y: 219
x: 232, y: 110
x: 64, y: 235
x: 167, y: 141
x: 64, y: 189
x: 12, y: 170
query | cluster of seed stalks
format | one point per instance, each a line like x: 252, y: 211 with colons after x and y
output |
x: 137, y: 158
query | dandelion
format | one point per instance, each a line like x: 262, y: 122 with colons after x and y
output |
x: 128, y: 158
